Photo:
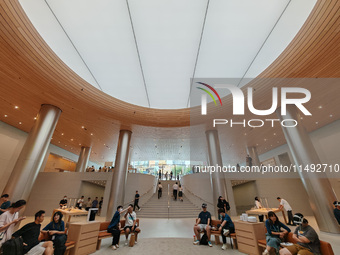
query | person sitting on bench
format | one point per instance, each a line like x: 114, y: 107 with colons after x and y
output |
x: 203, y: 223
x: 227, y: 227
x: 274, y: 234
x: 114, y: 227
x: 307, y: 239
x: 130, y: 224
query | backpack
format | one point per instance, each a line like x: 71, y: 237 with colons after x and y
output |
x: 13, y: 247
x: 228, y: 206
x: 204, y: 239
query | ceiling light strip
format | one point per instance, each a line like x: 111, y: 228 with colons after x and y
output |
x: 198, y: 51
x: 140, y: 61
x: 258, y: 52
x: 55, y: 16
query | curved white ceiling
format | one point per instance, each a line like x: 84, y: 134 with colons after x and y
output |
x: 145, y: 52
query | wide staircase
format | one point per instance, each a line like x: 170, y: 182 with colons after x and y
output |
x: 166, y: 207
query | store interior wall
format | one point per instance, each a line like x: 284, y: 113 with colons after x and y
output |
x: 50, y: 188
x: 55, y: 162
x: 91, y: 190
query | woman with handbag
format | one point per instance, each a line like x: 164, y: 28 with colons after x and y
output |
x: 56, y: 229
x: 275, y: 235
x: 9, y: 219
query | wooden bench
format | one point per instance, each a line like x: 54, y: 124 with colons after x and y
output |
x: 104, y: 234
x: 325, y: 247
x: 69, y: 244
x: 216, y: 233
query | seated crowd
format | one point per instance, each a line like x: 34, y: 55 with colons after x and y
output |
x: 305, y: 239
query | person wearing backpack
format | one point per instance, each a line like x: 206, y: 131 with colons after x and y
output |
x: 203, y: 223
x: 9, y: 219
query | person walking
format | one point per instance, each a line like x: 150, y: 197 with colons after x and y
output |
x: 160, y: 188
x: 174, y: 190
x: 136, y: 201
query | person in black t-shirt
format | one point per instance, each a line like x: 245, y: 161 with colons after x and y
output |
x: 203, y: 223
x: 136, y: 201
x: 63, y: 202
x: 30, y: 234
x: 222, y: 204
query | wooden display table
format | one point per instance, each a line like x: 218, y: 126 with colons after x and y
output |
x: 85, y: 235
x: 247, y: 235
x: 265, y: 212
x: 68, y: 213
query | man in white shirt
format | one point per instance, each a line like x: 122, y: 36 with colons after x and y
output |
x: 130, y: 224
x: 174, y: 190
x: 284, y: 204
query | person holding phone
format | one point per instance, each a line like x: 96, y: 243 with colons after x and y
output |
x: 9, y: 219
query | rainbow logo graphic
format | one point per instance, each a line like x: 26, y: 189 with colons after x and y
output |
x: 209, y: 93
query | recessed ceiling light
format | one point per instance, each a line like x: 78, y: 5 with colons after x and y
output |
x: 35, y: 118
x: 5, y: 115
x: 257, y: 144
x: 82, y: 127
x: 20, y: 123
x: 301, y: 118
x: 65, y: 145
x: 316, y: 122
x: 274, y: 133
x: 331, y: 115
x: 91, y: 133
x: 245, y: 133
x: 265, y: 139
x: 80, y: 144
x: 104, y: 144
x: 59, y: 142
x: 71, y: 139
x: 320, y: 106
x: 62, y: 133
x: 16, y: 107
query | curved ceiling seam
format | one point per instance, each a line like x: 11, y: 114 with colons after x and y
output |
x: 82, y: 59
x: 198, y: 52
x: 264, y: 42
x: 138, y: 54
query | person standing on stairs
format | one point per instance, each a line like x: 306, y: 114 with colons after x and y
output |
x: 160, y: 188
x: 174, y: 190
x: 180, y: 193
x: 136, y: 201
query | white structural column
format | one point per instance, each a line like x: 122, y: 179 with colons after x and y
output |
x: 252, y: 151
x: 32, y: 155
x: 120, y: 173
x: 83, y: 159
x: 218, y: 183
x: 317, y: 185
